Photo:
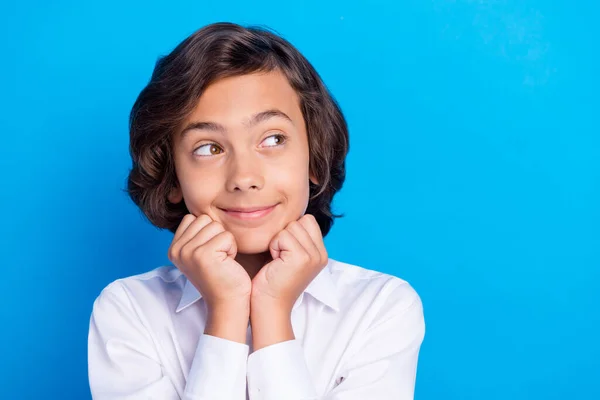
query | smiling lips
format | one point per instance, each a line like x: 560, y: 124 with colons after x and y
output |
x: 249, y: 213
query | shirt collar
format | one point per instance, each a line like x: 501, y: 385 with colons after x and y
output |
x: 322, y: 288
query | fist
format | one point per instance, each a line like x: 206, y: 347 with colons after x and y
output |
x: 299, y: 255
x: 205, y: 253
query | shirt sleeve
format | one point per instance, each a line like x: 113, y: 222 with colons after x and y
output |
x: 382, y: 366
x: 218, y: 371
x: 124, y: 364
x: 279, y: 371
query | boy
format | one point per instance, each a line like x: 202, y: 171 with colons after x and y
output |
x: 238, y: 149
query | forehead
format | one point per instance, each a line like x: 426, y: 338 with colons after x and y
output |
x: 230, y: 101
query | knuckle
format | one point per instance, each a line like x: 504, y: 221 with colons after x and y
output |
x: 291, y: 226
x: 172, y: 253
x: 214, y: 225
x: 285, y: 234
x: 310, y: 218
x: 319, y: 260
x: 305, y: 257
x: 204, y: 218
x: 186, y: 253
x: 316, y: 255
x: 189, y: 216
x: 197, y: 254
x: 322, y: 259
x: 187, y: 219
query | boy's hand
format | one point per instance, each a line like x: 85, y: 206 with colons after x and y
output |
x: 205, y: 252
x: 299, y: 255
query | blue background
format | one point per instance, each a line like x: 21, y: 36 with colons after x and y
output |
x: 474, y: 174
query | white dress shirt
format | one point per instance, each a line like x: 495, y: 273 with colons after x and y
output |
x: 358, y: 333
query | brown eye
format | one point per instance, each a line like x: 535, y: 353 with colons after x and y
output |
x: 209, y: 149
x: 274, y: 140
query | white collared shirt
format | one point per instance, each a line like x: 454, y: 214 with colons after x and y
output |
x: 357, y: 336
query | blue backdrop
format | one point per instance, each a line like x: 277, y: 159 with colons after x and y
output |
x: 474, y: 174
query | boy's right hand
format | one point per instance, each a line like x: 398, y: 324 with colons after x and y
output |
x: 205, y: 252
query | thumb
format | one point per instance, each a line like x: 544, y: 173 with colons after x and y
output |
x: 275, y: 247
x: 282, y: 245
x: 225, y: 243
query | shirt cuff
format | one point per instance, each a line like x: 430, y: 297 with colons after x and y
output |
x: 280, y: 372
x: 218, y: 370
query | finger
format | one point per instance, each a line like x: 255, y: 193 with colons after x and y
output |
x: 275, y: 247
x: 189, y: 226
x: 183, y: 225
x: 223, y: 242
x: 204, y: 235
x: 309, y: 222
x: 284, y: 244
x: 196, y: 226
x: 175, y: 248
x: 301, y: 234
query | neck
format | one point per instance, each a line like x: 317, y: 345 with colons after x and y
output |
x: 252, y: 263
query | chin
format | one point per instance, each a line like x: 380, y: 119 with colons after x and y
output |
x: 252, y: 243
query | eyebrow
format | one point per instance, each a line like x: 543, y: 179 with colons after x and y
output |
x: 249, y: 123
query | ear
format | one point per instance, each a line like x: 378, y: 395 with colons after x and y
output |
x: 175, y: 196
x: 313, y: 179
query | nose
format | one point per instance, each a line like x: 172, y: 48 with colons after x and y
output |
x: 245, y: 174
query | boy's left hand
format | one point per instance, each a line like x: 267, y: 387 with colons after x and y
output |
x: 299, y: 255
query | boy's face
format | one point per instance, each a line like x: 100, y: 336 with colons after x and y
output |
x: 251, y: 175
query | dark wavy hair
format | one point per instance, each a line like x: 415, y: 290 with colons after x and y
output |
x: 217, y: 51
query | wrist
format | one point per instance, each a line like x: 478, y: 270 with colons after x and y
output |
x: 228, y: 321
x: 270, y: 306
x: 271, y: 324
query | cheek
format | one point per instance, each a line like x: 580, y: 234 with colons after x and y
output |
x: 294, y: 185
x: 198, y: 197
x: 305, y: 196
x: 293, y: 180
